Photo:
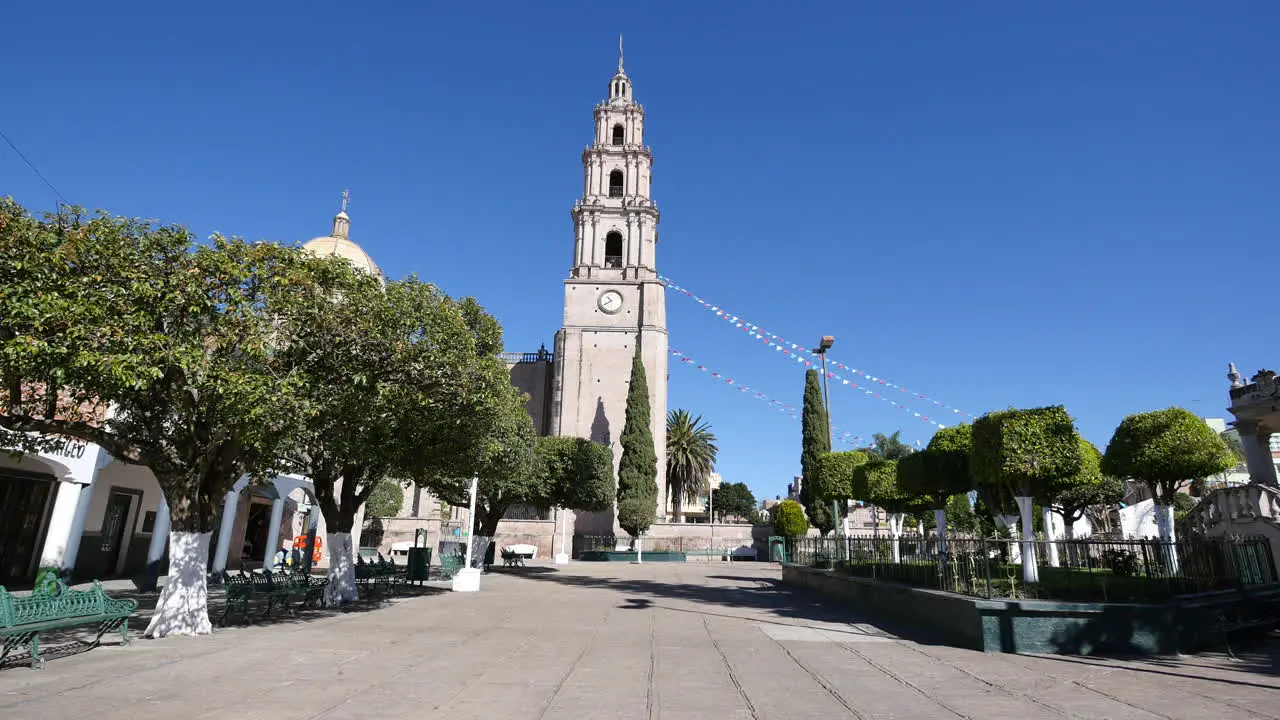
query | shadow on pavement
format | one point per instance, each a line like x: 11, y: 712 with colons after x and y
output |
x: 747, y: 591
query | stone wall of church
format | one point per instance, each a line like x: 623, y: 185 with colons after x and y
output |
x: 534, y: 380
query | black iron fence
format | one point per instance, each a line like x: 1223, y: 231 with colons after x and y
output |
x: 1088, y: 570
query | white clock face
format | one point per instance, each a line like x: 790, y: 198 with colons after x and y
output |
x: 611, y: 301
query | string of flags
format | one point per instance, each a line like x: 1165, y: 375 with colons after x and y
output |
x: 856, y: 379
x: 790, y: 411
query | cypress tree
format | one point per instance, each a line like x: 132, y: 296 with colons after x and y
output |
x: 815, y: 440
x: 638, y: 466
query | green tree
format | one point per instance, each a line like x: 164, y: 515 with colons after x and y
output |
x: 833, y: 475
x: 961, y: 516
x: 940, y: 472
x: 1024, y: 452
x: 396, y: 378
x: 1072, y: 496
x: 691, y: 456
x: 122, y: 333
x: 638, y: 466
x: 733, y: 500
x: 815, y: 440
x: 1163, y: 448
x: 578, y: 473
x: 386, y: 500
x: 504, y: 465
x: 888, y: 447
x: 877, y: 483
x: 789, y: 519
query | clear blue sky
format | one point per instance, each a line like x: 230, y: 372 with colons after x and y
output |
x: 998, y: 204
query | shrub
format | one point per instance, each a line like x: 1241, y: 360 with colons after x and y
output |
x: 789, y: 519
x: 1123, y: 563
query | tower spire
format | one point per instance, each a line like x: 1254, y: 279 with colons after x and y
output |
x: 619, y: 53
x: 342, y: 223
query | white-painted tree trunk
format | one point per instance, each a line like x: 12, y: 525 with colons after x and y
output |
x: 1073, y: 552
x: 183, y: 607
x: 940, y: 520
x: 1049, y: 519
x: 1164, y: 524
x: 1010, y: 523
x: 895, y: 531
x: 920, y: 528
x: 342, y: 570
x: 1030, y: 569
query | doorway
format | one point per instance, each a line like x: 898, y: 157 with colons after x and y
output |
x: 115, y: 527
x: 26, y: 499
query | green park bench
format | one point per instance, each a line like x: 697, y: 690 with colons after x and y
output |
x: 53, y: 605
x: 278, y: 589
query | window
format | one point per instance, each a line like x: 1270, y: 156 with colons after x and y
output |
x: 618, y: 134
x: 615, y: 183
x: 613, y: 250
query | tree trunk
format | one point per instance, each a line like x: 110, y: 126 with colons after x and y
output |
x: 940, y: 519
x: 1030, y: 569
x: 1168, y: 545
x: 487, y: 519
x: 1050, y: 534
x: 895, y: 532
x: 183, y: 607
x: 1010, y: 523
x: 342, y: 570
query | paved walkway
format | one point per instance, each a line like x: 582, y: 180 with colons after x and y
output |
x: 617, y: 641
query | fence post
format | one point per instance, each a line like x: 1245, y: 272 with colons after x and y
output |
x: 986, y: 564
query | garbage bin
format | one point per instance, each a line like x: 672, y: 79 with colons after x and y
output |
x: 777, y: 549
x: 419, y: 564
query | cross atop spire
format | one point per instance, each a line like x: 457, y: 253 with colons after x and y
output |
x: 620, y: 53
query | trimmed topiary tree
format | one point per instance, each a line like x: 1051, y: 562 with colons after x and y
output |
x: 877, y: 483
x: 1025, y: 451
x: 638, y: 466
x: 789, y: 520
x: 833, y: 475
x: 1163, y: 448
x: 815, y: 439
x: 939, y: 472
x: 1070, y: 497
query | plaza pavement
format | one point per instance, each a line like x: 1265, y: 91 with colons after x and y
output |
x: 605, y: 640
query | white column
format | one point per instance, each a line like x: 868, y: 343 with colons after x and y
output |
x: 273, y: 532
x: 224, y: 531
x: 562, y: 557
x: 57, y: 540
x: 159, y: 533
x: 1256, y: 443
x: 468, y: 578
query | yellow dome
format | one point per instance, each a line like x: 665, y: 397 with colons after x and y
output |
x: 340, y: 245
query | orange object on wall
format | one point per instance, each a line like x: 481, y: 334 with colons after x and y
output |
x: 300, y: 542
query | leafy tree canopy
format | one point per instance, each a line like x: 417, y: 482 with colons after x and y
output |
x: 638, y: 466
x: 1071, y: 496
x: 578, y: 473
x: 877, y: 483
x: 833, y: 475
x: 888, y: 447
x: 1025, y: 450
x: 789, y: 519
x: 103, y: 311
x: 386, y: 501
x: 1164, y: 447
x: 733, y: 500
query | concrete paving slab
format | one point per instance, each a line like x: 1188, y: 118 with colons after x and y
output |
x: 643, y: 642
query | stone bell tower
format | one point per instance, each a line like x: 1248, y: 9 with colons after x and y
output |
x: 613, y: 300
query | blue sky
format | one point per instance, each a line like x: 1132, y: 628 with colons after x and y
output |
x: 1000, y: 204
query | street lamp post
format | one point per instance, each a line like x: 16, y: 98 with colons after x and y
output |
x: 821, y: 351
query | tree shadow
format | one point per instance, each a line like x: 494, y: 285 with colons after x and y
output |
x: 767, y: 596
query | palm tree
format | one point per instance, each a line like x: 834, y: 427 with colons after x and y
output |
x: 691, y: 456
x: 888, y: 447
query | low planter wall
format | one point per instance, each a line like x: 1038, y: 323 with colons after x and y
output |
x: 625, y: 556
x: 1011, y: 626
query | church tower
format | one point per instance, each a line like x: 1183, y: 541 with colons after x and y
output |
x: 613, y: 300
